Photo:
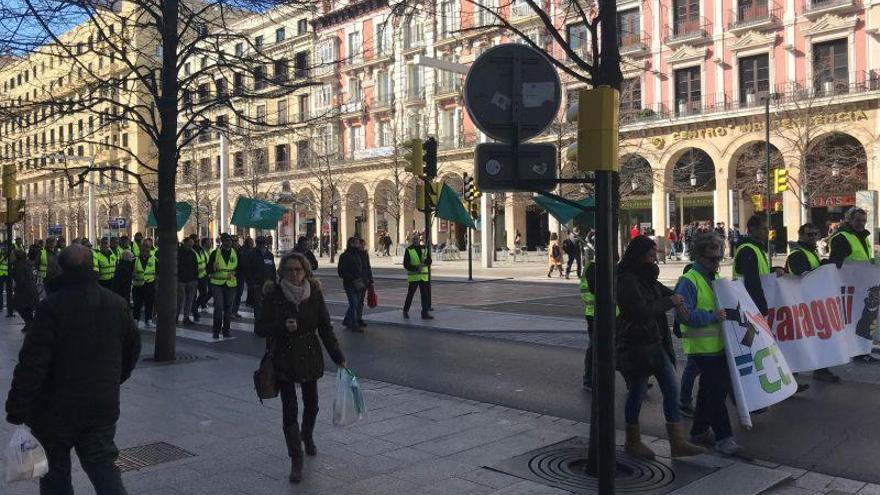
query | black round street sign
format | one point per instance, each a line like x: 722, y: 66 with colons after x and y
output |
x: 512, y: 87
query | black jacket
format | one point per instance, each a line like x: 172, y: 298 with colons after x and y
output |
x: 365, y: 263
x: 262, y: 268
x: 309, y: 256
x: 407, y: 264
x: 297, y: 356
x: 82, y: 345
x: 187, y: 265
x: 840, y: 247
x: 643, y: 305
x: 351, y: 268
x: 24, y: 290
x: 797, y: 262
x: 122, y: 279
x: 747, y: 264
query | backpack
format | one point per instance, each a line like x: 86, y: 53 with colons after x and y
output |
x: 567, y: 246
x: 555, y: 251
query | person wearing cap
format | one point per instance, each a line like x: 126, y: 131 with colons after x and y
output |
x: 416, y: 262
x: 222, y: 267
x: 144, y: 282
x: 105, y: 264
x: 205, y: 295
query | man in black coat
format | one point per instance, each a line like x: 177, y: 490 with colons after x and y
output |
x: 352, y: 272
x: 262, y: 269
x: 82, y: 345
x: 187, y: 279
x: 366, y: 276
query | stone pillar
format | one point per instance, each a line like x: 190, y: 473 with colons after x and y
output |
x: 487, y: 238
x: 721, y: 199
x: 346, y: 225
x: 370, y: 227
x: 514, y: 219
x: 659, y: 207
x: 791, y: 203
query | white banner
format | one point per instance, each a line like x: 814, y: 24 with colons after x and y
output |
x: 821, y: 319
x: 758, y: 371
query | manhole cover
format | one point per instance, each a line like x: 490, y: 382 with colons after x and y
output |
x: 180, y: 358
x: 134, y: 458
x: 562, y: 466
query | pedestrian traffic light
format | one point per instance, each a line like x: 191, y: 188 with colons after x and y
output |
x: 475, y: 210
x: 430, y: 157
x: 780, y: 180
x: 413, y: 157
x: 468, y: 184
x: 420, y: 197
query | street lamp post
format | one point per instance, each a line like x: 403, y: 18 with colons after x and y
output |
x: 767, y: 99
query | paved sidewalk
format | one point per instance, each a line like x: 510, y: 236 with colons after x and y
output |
x: 411, y: 441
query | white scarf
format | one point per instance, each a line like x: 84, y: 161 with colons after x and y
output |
x: 296, y: 293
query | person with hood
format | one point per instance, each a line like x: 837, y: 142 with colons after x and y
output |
x: 644, y: 345
x: 303, y: 247
x: 353, y: 273
x: 24, y: 291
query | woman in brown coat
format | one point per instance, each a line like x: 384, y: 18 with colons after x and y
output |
x: 554, y: 252
x: 293, y: 317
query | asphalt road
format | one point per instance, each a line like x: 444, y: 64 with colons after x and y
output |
x: 828, y: 428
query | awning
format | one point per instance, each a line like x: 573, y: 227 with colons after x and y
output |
x: 565, y: 212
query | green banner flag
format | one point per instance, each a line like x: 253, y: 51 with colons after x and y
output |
x: 449, y: 207
x: 184, y: 210
x: 256, y: 213
x: 565, y: 212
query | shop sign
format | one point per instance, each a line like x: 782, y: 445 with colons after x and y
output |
x: 636, y: 204
x: 698, y: 201
x: 833, y: 200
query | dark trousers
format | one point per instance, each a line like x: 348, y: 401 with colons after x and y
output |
x: 571, y: 259
x: 588, y: 355
x: 7, y: 286
x: 107, y: 284
x: 355, y: 312
x: 204, y: 295
x: 186, y: 293
x: 4, y: 290
x: 27, y: 314
x: 97, y: 453
x: 224, y: 299
x: 289, y: 412
x: 239, y: 290
x: 688, y: 378
x: 712, y: 396
x: 424, y: 292
x: 144, y: 297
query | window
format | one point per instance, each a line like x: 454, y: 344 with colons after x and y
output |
x: 220, y: 84
x: 355, y: 48
x: 385, y: 133
x: 237, y: 84
x: 383, y: 88
x: 205, y: 167
x: 324, y: 96
x: 261, y: 114
x: 125, y: 140
x: 414, y: 78
x: 414, y: 126
x: 204, y: 92
x: 204, y: 63
x: 279, y: 35
x: 754, y: 79
x: 354, y: 89
x: 186, y: 69
x: 280, y: 70
x: 302, y: 26
x: 302, y: 154
x: 282, y: 158
x: 303, y: 108
x: 356, y: 140
x: 752, y: 10
x: 383, y: 39
x: 222, y: 122
x: 448, y: 19
x: 628, y: 28
x: 258, y: 42
x: 687, y: 17
x: 631, y: 97
x: 239, y: 49
x: 830, y: 66
x: 259, y: 73
x: 578, y: 39
x: 282, y: 111
x: 413, y: 34
x: 301, y: 65
x: 687, y: 91
x: 260, y: 162
x: 447, y: 128
x: 238, y: 164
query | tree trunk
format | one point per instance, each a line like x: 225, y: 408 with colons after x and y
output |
x: 166, y: 214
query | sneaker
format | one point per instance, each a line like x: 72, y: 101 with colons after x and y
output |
x: 148, y: 324
x: 427, y: 316
x: 187, y: 321
x: 825, y: 375
x: 687, y: 410
x: 705, y: 438
x: 728, y: 446
x: 406, y: 315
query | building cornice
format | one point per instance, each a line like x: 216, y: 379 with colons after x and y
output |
x: 348, y: 13
x: 753, y: 39
x: 830, y: 23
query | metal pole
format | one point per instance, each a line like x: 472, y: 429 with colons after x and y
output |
x: 470, y: 254
x: 767, y: 169
x: 92, y: 220
x: 604, y: 331
x: 224, y: 172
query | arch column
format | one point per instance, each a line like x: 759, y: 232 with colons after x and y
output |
x: 721, y: 198
x: 792, y: 214
x: 514, y: 219
x: 371, y: 223
x: 345, y: 230
x: 659, y: 205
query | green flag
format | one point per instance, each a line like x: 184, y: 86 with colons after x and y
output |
x: 565, y: 212
x: 184, y: 210
x: 449, y: 207
x: 256, y: 213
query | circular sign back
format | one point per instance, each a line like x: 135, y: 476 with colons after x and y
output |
x: 512, y: 84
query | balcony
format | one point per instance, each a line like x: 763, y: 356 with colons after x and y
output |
x: 693, y: 30
x: 412, y: 42
x: 448, y: 87
x: 415, y: 96
x: 753, y: 17
x: 521, y: 10
x: 382, y: 102
x: 814, y: 8
x: 352, y: 107
x: 585, y: 53
x: 634, y: 45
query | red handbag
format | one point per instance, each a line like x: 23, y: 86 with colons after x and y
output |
x: 372, y: 297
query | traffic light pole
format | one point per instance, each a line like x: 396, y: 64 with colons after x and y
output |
x: 767, y: 172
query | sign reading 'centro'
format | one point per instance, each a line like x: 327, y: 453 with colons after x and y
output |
x: 784, y: 123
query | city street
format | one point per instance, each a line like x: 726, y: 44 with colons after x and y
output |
x: 504, y: 345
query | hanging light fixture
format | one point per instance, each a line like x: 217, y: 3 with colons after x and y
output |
x: 693, y: 179
x: 835, y: 169
x: 634, y: 184
x: 759, y: 175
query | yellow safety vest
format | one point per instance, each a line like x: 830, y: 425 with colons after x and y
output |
x: 4, y: 265
x: 858, y: 250
x: 135, y: 249
x: 763, y: 265
x: 812, y: 258
x: 142, y: 275
x: 587, y: 296
x: 415, y: 259
x: 202, y: 262
x: 104, y: 265
x: 224, y: 273
x: 44, y: 262
x: 707, y: 339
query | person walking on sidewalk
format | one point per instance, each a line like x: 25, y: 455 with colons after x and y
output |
x: 222, y: 267
x: 367, y: 278
x: 588, y: 296
x: 353, y: 274
x: 644, y: 345
x: 805, y: 258
x: 187, y: 279
x: 702, y: 341
x: 555, y: 255
x: 243, y: 252
x: 82, y: 345
x: 144, y: 283
x: 303, y: 247
x: 262, y: 269
x: 293, y: 319
x: 25, y: 295
x: 572, y: 248
x: 416, y: 261
x: 203, y: 252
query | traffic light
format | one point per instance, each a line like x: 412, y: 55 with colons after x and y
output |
x: 9, y: 182
x: 780, y: 180
x: 468, y: 184
x: 427, y: 200
x: 475, y: 210
x: 420, y: 197
x: 413, y: 157
x: 433, y: 193
x: 597, y: 113
x: 430, y: 157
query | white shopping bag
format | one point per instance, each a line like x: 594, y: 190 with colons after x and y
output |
x: 25, y: 457
x: 348, y: 405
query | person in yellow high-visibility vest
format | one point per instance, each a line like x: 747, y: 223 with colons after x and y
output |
x: 416, y: 261
x: 221, y: 268
x: 105, y: 264
x: 144, y: 283
x: 853, y: 243
x: 702, y: 342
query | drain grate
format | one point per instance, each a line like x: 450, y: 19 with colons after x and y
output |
x: 562, y: 466
x: 141, y: 456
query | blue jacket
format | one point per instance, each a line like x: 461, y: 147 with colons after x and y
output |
x: 686, y: 289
